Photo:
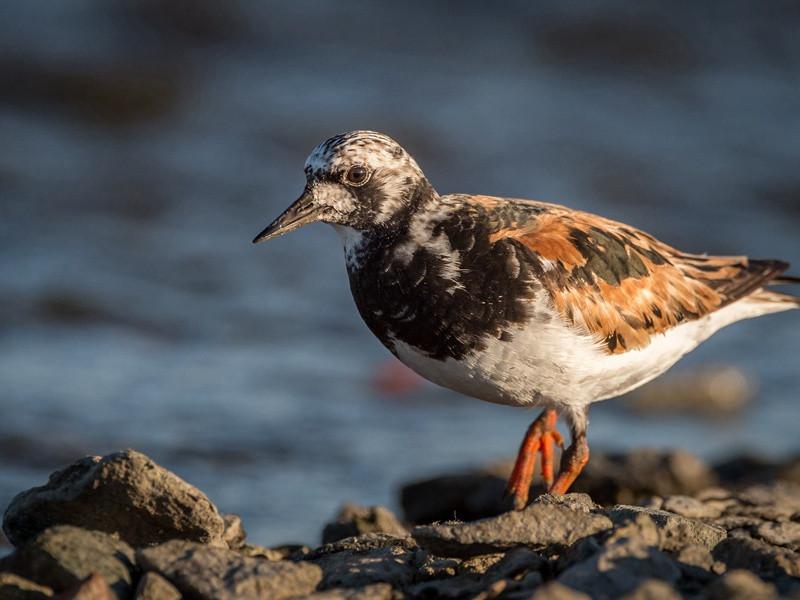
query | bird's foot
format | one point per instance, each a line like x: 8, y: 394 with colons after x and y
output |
x: 572, y: 462
x: 539, y: 438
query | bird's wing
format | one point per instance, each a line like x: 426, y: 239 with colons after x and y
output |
x: 617, y: 282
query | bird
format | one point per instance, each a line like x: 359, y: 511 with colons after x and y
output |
x: 518, y: 302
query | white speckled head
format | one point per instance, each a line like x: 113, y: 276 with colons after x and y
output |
x: 360, y: 180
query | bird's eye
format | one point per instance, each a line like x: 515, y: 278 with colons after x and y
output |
x: 357, y: 175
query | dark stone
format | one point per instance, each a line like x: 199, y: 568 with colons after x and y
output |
x: 770, y: 562
x: 365, y: 541
x: 125, y: 494
x: 14, y: 587
x: 63, y: 556
x: 207, y: 572
x: 354, y: 520
x: 391, y: 564
x: 740, y: 584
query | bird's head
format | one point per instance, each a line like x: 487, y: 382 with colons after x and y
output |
x: 362, y: 180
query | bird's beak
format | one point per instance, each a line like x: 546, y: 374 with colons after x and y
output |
x: 302, y: 212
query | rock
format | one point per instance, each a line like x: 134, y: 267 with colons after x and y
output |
x: 740, y: 585
x: 391, y: 564
x: 376, y: 591
x: 153, y: 586
x: 516, y: 564
x: 14, y: 587
x: 354, y: 520
x: 125, y: 494
x: 653, y: 589
x: 455, y: 588
x: 785, y: 534
x: 678, y: 531
x: 689, y: 507
x: 93, y: 587
x: 770, y: 562
x: 365, y: 541
x: 63, y: 556
x: 633, y: 477
x: 540, y: 526
x: 619, y: 568
x: 469, y: 496
x: 476, y: 566
x: 773, y: 501
x: 558, y: 591
x: 208, y: 572
x: 233, y: 535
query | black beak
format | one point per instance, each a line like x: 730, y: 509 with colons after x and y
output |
x: 301, y: 212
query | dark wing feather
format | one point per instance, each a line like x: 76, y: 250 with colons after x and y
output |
x: 619, y: 283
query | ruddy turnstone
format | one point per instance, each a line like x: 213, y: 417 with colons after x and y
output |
x: 514, y: 301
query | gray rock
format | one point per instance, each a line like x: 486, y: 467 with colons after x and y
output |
x: 392, y: 565
x: 678, y: 531
x: 619, y: 568
x: 740, y: 585
x: 540, y: 526
x: 785, y: 534
x: 62, y: 556
x: 354, y: 520
x: 770, y: 562
x: 689, y: 507
x: 554, y: 590
x: 366, y: 541
x: 576, y: 502
x: 153, y: 586
x: 14, y: 587
x: 125, y: 494
x: 774, y: 501
x: 468, y: 496
x: 207, y: 572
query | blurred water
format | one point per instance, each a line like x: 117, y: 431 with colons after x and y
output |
x: 146, y: 143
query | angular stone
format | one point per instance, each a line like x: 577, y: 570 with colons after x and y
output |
x: 689, y: 507
x: 207, y: 572
x: 153, y: 586
x: 392, y: 565
x: 770, y: 562
x: 234, y: 535
x: 14, y: 587
x: 619, y: 568
x: 740, y: 584
x: 517, y: 563
x: 62, y: 557
x: 354, y: 520
x: 678, y: 531
x: 125, y: 494
x: 540, y: 526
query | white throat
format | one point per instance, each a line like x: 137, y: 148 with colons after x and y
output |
x: 353, y: 241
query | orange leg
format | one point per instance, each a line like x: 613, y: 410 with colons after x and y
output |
x: 539, y: 438
x: 572, y: 462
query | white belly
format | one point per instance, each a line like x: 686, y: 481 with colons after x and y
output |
x: 549, y: 364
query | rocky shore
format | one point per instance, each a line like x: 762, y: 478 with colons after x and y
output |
x: 650, y: 525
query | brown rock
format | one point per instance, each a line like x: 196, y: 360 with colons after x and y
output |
x: 125, y: 494
x: 354, y: 520
x: 740, y: 584
x: 689, y: 507
x: 653, y: 589
x: 558, y: 591
x: 376, y: 591
x: 153, y: 586
x: 207, y: 572
x: 62, y: 557
x: 785, y: 534
x: 540, y: 526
